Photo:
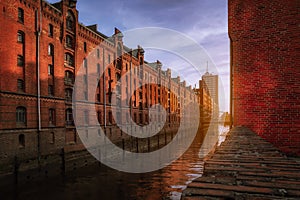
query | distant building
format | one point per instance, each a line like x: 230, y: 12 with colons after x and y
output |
x: 212, y: 83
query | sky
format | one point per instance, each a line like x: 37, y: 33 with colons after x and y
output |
x: 204, y: 21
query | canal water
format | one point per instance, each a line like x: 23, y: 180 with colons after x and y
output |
x: 101, y: 182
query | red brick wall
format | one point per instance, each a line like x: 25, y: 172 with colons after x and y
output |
x: 265, y: 69
x: 64, y: 132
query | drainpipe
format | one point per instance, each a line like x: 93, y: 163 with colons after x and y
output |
x: 104, y: 88
x: 130, y: 103
x: 38, y: 23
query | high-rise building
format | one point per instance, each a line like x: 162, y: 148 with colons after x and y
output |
x: 212, y: 84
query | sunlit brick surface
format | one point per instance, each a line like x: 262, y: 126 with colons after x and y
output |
x: 265, y: 69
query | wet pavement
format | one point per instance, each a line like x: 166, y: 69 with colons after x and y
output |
x: 245, y: 166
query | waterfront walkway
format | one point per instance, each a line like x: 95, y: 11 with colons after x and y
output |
x: 246, y: 166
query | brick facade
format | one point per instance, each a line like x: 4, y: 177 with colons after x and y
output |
x: 265, y: 69
x: 38, y: 36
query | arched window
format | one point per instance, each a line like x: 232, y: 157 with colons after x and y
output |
x: 21, y: 141
x: 69, y: 117
x: 21, y: 15
x: 69, y: 59
x: 21, y: 37
x: 98, y: 53
x: 86, y: 117
x: 20, y: 85
x: 98, y: 68
x: 50, y: 30
x: 20, y: 60
x: 118, y: 76
x: 85, y: 47
x: 70, y: 21
x: 21, y: 115
x: 52, y: 116
x: 85, y: 62
x: 51, y: 50
x: 69, y: 41
x: 99, y: 117
x: 52, y: 138
x: 68, y: 94
x: 69, y: 77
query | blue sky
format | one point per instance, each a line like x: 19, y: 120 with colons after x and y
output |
x: 205, y: 21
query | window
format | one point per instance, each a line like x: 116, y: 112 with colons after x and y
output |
x: 20, y: 15
x: 50, y: 70
x: 141, y: 118
x: 109, y: 73
x: 69, y: 116
x: 69, y: 41
x: 69, y: 77
x: 20, y: 61
x: 99, y: 117
x: 50, y: 90
x: 85, y: 63
x: 110, y: 120
x: 86, y: 117
x: 50, y: 50
x: 70, y: 21
x: 50, y: 30
x: 68, y: 94
x: 20, y: 85
x: 98, y: 68
x: 21, y: 38
x: 21, y: 141
x: 69, y: 59
x: 52, y: 116
x: 108, y: 59
x: 98, y: 53
x: 52, y: 138
x: 84, y: 47
x: 118, y: 76
x: 21, y: 115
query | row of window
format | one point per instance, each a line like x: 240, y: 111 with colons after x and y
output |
x: 21, y: 116
x: 70, y: 22
x: 22, y: 139
x: 69, y: 79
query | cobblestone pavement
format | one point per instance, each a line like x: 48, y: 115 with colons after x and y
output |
x: 245, y: 166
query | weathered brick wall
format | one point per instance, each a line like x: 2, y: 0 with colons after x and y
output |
x: 265, y: 69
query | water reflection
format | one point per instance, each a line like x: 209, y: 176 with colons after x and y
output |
x: 101, y: 182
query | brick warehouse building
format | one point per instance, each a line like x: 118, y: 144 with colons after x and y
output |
x: 265, y: 69
x: 43, y: 46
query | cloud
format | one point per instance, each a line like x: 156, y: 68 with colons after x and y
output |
x: 203, y: 20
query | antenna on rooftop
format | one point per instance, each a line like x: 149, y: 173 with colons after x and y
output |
x: 206, y: 66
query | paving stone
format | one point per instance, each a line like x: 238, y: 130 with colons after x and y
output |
x: 246, y: 166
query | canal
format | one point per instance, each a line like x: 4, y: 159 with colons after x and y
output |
x: 101, y: 182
